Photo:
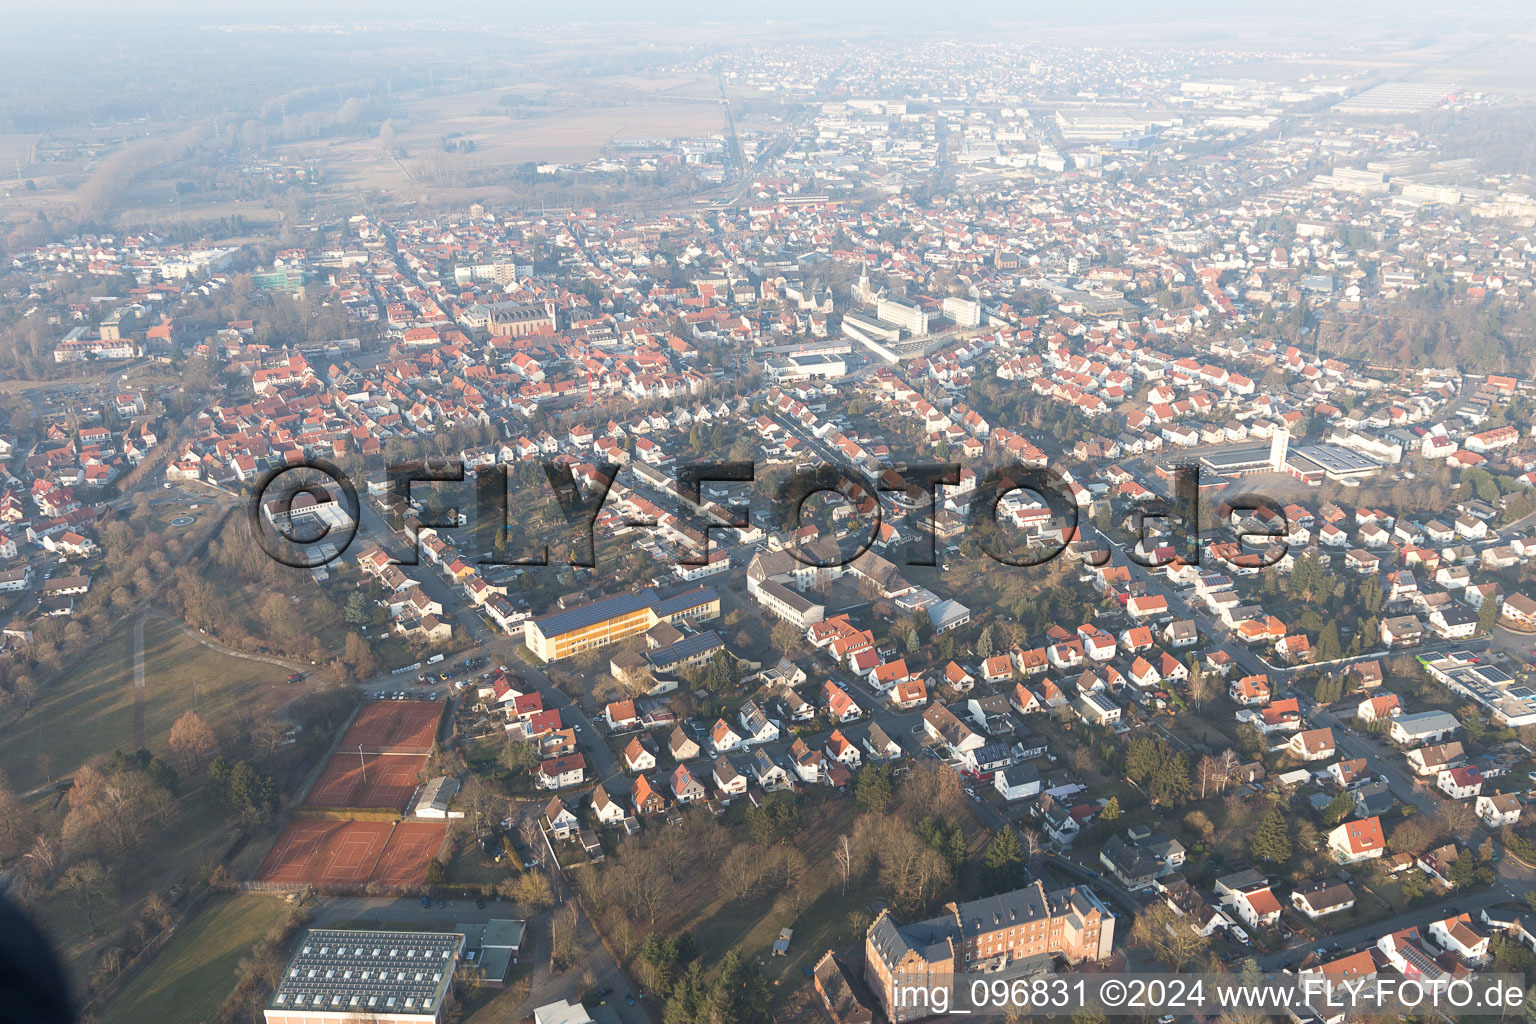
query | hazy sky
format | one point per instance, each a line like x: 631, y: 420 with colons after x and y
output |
x: 77, y: 28
x: 1408, y: 15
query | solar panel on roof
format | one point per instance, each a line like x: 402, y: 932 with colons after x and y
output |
x: 329, y: 970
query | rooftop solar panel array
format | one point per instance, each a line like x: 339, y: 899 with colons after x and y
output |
x: 369, y: 972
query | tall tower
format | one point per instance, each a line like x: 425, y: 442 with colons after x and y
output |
x: 1279, y: 448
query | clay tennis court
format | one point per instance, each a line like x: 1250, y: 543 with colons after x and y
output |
x: 336, y: 852
x: 375, y: 780
x: 323, y: 852
x: 410, y: 847
x: 393, y: 727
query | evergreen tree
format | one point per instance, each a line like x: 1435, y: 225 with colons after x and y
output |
x: 1371, y: 594
x: 1328, y: 646
x: 945, y: 836
x: 686, y: 1003
x: 1271, y: 841
x: 1004, y: 860
x: 739, y: 994
x: 874, y: 788
x: 358, y: 609
x: 1463, y: 873
x: 1338, y: 808
x: 1487, y: 615
x: 984, y: 643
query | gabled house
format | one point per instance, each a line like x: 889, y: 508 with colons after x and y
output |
x: 559, y: 772
x: 839, y: 749
x: 682, y: 745
x: 647, y: 800
x: 1255, y: 905
x: 841, y: 707
x: 1379, y: 708
x: 728, y: 780
x: 723, y: 738
x: 910, y: 693
x: 561, y: 820
x: 1373, y: 798
x: 639, y: 755
x: 1023, y: 700
x: 1435, y: 758
x: 1312, y: 744
x: 1437, y: 863
x: 1017, y: 782
x: 1319, y: 899
x: 941, y: 725
x: 605, y: 808
x: 1250, y: 691
x: 984, y: 761
x: 685, y: 788
x: 1498, y: 810
x: 756, y: 726
x: 997, y: 668
x: 1056, y: 821
x: 1356, y: 841
x: 1135, y: 867
x: 1459, y: 936
x: 990, y: 714
x: 621, y: 714
x: 879, y: 745
x: 958, y: 678
x: 1348, y: 773
x: 808, y: 764
x: 1460, y: 783
x: 888, y: 674
x: 1096, y: 708
x: 768, y: 773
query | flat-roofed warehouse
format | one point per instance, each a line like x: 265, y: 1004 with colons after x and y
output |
x: 341, y: 975
x: 1310, y: 463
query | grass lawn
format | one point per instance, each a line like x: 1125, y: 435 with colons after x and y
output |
x: 88, y: 710
x: 472, y: 867
x: 189, y: 979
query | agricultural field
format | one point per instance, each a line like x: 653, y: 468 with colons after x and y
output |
x: 501, y: 138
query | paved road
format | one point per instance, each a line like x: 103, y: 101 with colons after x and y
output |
x: 287, y: 664
x: 454, y: 602
x: 139, y: 689
x: 1380, y: 758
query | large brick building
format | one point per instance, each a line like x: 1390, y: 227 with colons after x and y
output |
x: 983, y: 935
x: 507, y: 320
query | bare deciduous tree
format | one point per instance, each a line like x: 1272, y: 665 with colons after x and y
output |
x: 192, y: 740
x: 89, y: 883
x: 1033, y: 845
